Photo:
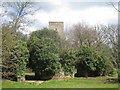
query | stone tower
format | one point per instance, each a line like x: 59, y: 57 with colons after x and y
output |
x: 58, y: 26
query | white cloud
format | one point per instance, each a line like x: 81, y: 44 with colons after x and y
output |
x: 99, y: 15
x: 62, y: 12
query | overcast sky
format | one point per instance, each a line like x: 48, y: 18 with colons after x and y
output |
x: 70, y: 13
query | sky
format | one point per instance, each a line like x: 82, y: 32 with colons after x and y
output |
x: 72, y: 12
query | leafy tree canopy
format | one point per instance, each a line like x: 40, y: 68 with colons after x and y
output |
x: 44, y: 57
x: 90, y: 63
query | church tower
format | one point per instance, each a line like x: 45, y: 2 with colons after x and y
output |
x: 58, y: 26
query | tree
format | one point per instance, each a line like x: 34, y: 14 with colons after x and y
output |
x: 44, y: 57
x: 14, y: 58
x: 17, y: 12
x: 89, y: 63
x: 102, y: 39
x: 114, y: 6
x: 109, y: 36
x: 7, y: 40
x: 14, y: 54
x: 82, y: 35
x: 52, y: 34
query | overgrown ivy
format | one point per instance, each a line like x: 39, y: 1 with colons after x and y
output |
x: 68, y: 60
x: 22, y: 55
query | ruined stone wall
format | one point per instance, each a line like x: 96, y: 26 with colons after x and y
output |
x: 58, y: 26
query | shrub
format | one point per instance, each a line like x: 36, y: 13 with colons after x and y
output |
x: 23, y: 54
x: 109, y: 68
x: 89, y: 63
x: 44, y: 57
x: 68, y: 59
x: 15, y: 65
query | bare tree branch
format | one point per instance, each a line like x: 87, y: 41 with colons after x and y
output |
x: 17, y: 12
x: 113, y: 5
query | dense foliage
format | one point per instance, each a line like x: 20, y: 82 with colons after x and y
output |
x: 44, y: 57
x: 14, y: 54
x: 68, y: 60
x: 8, y: 64
x: 52, y: 34
x: 14, y: 65
x: 105, y: 51
x: 22, y: 55
x: 49, y: 55
x: 89, y: 63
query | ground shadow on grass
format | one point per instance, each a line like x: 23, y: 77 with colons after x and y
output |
x: 30, y: 77
x: 112, y: 80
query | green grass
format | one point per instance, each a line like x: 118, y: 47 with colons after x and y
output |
x: 71, y: 83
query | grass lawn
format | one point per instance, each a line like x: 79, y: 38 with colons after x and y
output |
x: 71, y: 83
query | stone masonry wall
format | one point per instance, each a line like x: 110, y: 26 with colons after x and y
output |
x: 58, y: 26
